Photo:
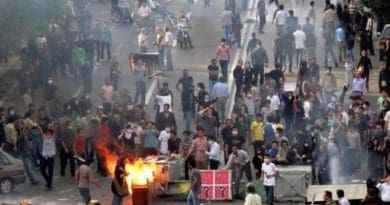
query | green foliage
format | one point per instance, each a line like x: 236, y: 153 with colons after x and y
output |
x: 379, y: 7
x: 22, y: 19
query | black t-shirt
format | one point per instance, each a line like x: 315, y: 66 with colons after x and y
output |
x: 186, y: 82
x: 288, y: 40
x: 214, y: 68
x: 174, y: 145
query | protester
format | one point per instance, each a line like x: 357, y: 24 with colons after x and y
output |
x: 84, y: 177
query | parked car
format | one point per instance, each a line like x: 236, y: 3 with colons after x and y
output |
x: 385, y: 34
x: 12, y: 172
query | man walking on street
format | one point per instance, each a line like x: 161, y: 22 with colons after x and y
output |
x: 213, y: 70
x: 261, y: 13
x: 106, y: 41
x: 139, y: 72
x: 84, y: 177
x: 220, y: 93
x: 168, y: 43
x: 223, y: 55
x: 259, y: 60
x: 196, y: 183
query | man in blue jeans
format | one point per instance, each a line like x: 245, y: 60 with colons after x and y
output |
x: 269, y: 172
x: 196, y: 182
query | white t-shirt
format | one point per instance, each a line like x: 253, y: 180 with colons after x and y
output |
x: 281, y: 17
x: 387, y: 120
x: 300, y: 38
x: 269, y: 169
x: 162, y: 100
x: 274, y: 102
x: 343, y: 201
x: 169, y: 39
x: 144, y: 11
x: 163, y: 138
x: 385, y: 191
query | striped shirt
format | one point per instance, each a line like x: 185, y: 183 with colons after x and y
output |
x: 185, y: 145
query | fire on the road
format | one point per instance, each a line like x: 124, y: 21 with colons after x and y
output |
x: 139, y: 172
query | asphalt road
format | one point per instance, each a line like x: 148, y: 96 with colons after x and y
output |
x: 206, y: 34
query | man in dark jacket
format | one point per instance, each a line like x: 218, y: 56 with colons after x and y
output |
x: 259, y: 60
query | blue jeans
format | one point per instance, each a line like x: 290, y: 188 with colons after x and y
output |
x: 117, y: 200
x: 27, y: 166
x: 350, y: 54
x: 269, y: 192
x: 211, y: 84
x: 329, y: 50
x: 47, y: 170
x: 300, y: 55
x: 193, y: 198
x: 188, y: 118
x: 228, y: 34
x: 224, y: 67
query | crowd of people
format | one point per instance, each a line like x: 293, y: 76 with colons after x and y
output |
x: 313, y: 125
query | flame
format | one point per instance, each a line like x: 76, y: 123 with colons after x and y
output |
x: 139, y: 171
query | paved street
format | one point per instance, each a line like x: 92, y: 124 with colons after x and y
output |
x: 206, y: 34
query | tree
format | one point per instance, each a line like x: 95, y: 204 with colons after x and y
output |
x: 379, y: 7
x: 23, y: 19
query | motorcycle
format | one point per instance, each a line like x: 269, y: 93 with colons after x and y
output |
x: 165, y: 13
x: 122, y: 12
x: 183, y: 38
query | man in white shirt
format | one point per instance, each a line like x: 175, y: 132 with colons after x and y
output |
x: 341, y: 198
x: 300, y: 38
x: 280, y: 16
x: 213, y: 154
x: 144, y: 12
x: 387, y: 122
x: 274, y: 101
x: 269, y: 172
x: 359, y: 85
x: 307, y: 107
x: 384, y: 189
x: 168, y: 42
x: 163, y: 140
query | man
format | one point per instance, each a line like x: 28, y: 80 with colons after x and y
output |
x: 106, y: 41
x: 196, y: 183
x: 220, y: 93
x: 106, y: 93
x: 67, y: 151
x: 280, y: 17
x: 239, y: 162
x: 185, y: 145
x: 184, y: 23
x: 163, y: 140
x: 359, y: 85
x: 165, y: 118
x: 213, y: 154
x: 292, y: 22
x: 261, y: 13
x: 300, y: 47
x: 269, y: 173
x: 311, y: 39
x: 341, y: 198
x: 251, y: 44
x: 186, y: 82
x: 144, y: 12
x: 168, y: 44
x: 200, y: 146
x: 340, y: 40
x: 259, y: 60
x: 223, y: 55
x: 84, y: 177
x: 208, y: 122
x: 139, y: 72
x: 173, y: 143
x: 329, y: 47
x: 288, y: 49
x: 328, y: 198
x: 257, y: 132
x: 384, y: 189
x: 227, y: 24
x: 78, y: 58
x: 213, y: 70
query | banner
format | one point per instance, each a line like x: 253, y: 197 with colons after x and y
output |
x: 216, y: 185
